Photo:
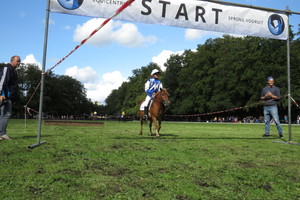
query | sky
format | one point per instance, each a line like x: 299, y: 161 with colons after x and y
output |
x: 109, y: 57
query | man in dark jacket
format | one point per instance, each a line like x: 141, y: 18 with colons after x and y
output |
x: 271, y: 94
x: 8, y: 93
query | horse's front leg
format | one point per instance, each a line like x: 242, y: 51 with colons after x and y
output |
x: 157, y: 127
x: 150, y: 126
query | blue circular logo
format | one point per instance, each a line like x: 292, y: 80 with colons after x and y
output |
x: 70, y: 4
x: 276, y: 24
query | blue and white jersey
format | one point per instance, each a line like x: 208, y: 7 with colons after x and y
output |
x: 152, y: 86
x: 3, y: 83
x: 8, y: 82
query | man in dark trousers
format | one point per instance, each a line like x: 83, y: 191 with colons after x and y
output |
x: 271, y: 94
x: 8, y: 93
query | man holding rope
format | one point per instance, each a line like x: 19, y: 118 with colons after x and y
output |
x: 271, y: 94
x: 8, y: 89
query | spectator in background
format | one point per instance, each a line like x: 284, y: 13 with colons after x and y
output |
x: 285, y: 119
x: 123, y: 116
x: 271, y: 94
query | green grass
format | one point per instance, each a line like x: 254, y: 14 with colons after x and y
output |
x: 189, y: 161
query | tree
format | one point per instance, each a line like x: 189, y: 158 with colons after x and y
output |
x: 63, y: 95
x: 170, y: 80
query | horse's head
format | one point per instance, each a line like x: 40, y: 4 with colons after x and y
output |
x: 163, y: 96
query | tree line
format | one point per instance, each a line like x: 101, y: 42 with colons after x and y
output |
x: 221, y: 74
x: 63, y: 95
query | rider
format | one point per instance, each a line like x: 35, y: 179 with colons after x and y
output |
x: 152, y: 86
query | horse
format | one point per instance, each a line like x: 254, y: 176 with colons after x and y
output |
x: 156, y: 111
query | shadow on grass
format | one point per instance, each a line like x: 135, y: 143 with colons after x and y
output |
x: 31, y: 136
x: 175, y: 137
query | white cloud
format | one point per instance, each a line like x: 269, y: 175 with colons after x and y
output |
x: 97, y: 89
x: 125, y: 34
x: 194, y: 34
x: 86, y: 74
x: 100, y: 91
x: 30, y: 59
x: 162, y: 58
x: 67, y: 27
x: 128, y: 35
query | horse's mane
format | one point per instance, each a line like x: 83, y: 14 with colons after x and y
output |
x: 160, y: 91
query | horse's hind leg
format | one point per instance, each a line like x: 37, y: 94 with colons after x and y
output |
x: 159, y: 126
x: 141, y: 123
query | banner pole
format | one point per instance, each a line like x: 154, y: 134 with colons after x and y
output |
x: 289, y: 86
x: 289, y: 83
x: 25, y: 119
x: 43, y: 78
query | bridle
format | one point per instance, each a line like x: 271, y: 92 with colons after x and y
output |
x: 161, y: 93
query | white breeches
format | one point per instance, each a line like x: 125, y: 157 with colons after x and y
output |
x: 145, y: 103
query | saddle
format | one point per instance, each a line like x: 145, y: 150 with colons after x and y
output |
x: 148, y: 106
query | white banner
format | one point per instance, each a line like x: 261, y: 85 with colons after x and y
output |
x: 184, y: 13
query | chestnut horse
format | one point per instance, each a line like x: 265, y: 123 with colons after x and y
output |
x: 156, y: 110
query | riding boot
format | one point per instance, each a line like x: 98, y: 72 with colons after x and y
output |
x: 145, y: 112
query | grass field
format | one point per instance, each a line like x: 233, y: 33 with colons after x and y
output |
x: 189, y: 161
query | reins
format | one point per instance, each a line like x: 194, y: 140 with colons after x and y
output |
x: 155, y: 99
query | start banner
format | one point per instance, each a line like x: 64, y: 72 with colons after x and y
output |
x: 192, y: 14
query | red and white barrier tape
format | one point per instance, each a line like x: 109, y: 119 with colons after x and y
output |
x: 295, y: 102
x: 35, y: 90
x: 125, y: 5
x: 218, y: 112
x: 29, y: 109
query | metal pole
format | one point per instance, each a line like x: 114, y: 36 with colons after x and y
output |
x: 25, y: 116
x: 289, y: 83
x: 289, y: 87
x: 43, y: 78
x: 288, y: 12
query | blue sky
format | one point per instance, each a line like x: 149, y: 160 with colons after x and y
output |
x: 107, y: 59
